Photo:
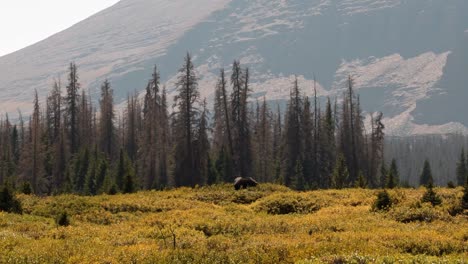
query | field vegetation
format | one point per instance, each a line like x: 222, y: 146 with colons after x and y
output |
x: 266, y: 224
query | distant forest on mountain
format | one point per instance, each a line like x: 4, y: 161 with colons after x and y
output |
x: 70, y: 145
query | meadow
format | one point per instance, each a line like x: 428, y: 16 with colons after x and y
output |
x: 266, y: 224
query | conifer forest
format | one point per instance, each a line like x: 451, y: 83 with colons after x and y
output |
x: 71, y: 145
x: 151, y: 182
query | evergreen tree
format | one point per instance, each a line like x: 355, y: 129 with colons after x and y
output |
x: 293, y: 143
x: 223, y: 166
x: 79, y: 169
x: 309, y: 150
x: 327, y: 146
x: 32, y: 157
x: 241, y: 138
x: 125, y: 178
x: 377, y: 148
x: 56, y: 136
x: 186, y: 119
x: 72, y: 107
x: 203, y: 146
x: 426, y: 175
x: 277, y: 144
x: 340, y: 173
x: 431, y: 196
x: 383, y: 175
x: 383, y: 202
x: 8, y: 202
x: 298, y: 180
x: 213, y: 175
x: 107, y: 131
x: 464, y: 200
x: 263, y: 144
x: 361, y: 181
x: 462, y: 170
x: 393, y: 177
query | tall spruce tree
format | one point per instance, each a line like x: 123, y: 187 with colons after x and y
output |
x: 72, y: 107
x: 327, y: 146
x: 426, y: 174
x: 242, y: 154
x: 186, y: 119
x: 377, y: 148
x: 107, y: 131
x: 393, y: 177
x: 293, y: 142
x: 462, y: 169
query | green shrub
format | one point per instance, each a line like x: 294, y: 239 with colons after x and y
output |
x: 26, y: 188
x: 431, y: 196
x: 383, y: 202
x: 8, y: 202
x: 112, y: 190
x: 451, y: 185
x: 423, y: 213
x: 62, y: 219
x: 465, y: 197
x: 279, y: 204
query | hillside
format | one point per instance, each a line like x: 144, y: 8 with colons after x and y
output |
x: 408, y: 58
x: 219, y: 225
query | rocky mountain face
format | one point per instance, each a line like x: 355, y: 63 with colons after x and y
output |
x: 408, y: 58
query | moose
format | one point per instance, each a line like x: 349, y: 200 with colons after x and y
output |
x: 243, y: 183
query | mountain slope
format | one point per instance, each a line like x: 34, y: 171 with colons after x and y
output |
x: 407, y: 57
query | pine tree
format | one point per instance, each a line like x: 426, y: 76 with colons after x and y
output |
x: 309, y: 151
x: 86, y: 137
x: 79, y: 169
x: 107, y: 131
x: 431, y: 196
x: 203, y: 146
x: 361, y: 181
x: 36, y: 146
x: 383, y: 174
x: 223, y: 166
x: 340, y: 173
x: 377, y: 148
x: 56, y: 136
x: 186, y: 119
x: 383, y: 202
x: 293, y: 135
x: 240, y: 121
x: 165, y: 143
x: 213, y: 175
x: 72, y: 107
x: 133, y: 126
x: 298, y: 180
x: 262, y: 141
x: 8, y: 202
x: 221, y: 120
x: 464, y: 199
x: 426, y: 175
x: 327, y: 146
x: 277, y: 146
x: 462, y: 170
x: 353, y: 157
x: 393, y: 177
x: 222, y: 135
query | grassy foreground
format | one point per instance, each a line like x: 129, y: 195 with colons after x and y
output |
x: 219, y: 225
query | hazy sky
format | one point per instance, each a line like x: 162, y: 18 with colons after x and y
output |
x: 25, y: 22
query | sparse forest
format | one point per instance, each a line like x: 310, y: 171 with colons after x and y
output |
x: 60, y: 166
x: 70, y: 145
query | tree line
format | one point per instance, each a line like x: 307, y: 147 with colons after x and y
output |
x: 70, y: 145
x: 442, y: 151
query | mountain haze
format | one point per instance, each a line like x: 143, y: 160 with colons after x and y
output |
x: 409, y: 58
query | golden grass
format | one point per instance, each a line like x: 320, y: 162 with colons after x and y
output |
x: 219, y: 225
